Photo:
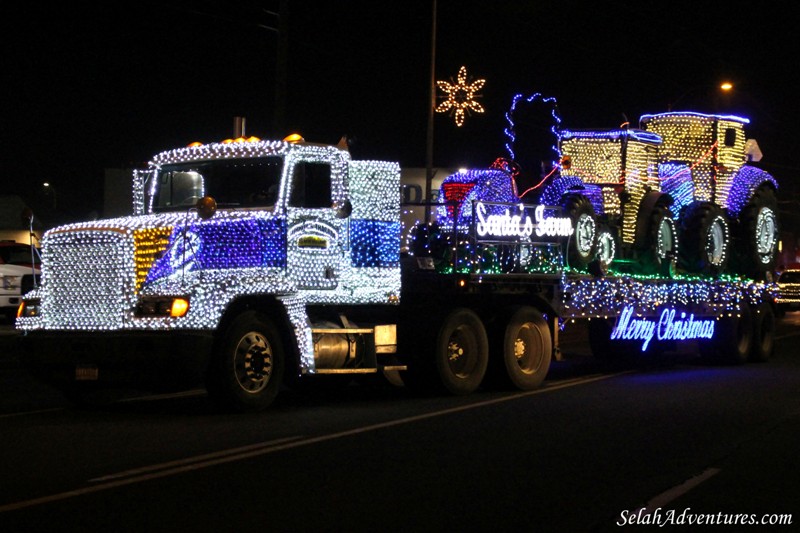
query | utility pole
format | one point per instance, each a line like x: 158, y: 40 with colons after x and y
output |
x: 279, y: 117
x: 431, y: 106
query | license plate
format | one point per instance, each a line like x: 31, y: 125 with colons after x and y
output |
x: 86, y: 372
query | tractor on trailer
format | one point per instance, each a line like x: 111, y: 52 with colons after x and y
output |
x: 680, y: 192
x: 250, y: 265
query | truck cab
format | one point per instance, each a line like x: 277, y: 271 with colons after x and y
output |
x: 237, y: 251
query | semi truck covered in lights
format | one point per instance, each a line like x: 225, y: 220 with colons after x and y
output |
x: 249, y: 265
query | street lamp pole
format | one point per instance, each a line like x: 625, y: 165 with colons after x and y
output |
x: 51, y: 191
x: 431, y: 106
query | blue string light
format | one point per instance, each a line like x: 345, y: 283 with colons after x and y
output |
x: 511, y: 134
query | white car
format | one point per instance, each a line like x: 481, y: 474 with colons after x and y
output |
x: 17, y: 269
x: 788, y: 296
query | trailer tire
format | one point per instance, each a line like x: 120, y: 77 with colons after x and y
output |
x: 763, y: 333
x: 461, y: 352
x: 733, y: 339
x: 527, y: 349
x: 603, y: 348
x: 247, y: 367
x: 757, y: 234
x: 582, y: 245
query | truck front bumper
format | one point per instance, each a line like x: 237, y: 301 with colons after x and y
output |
x: 160, y: 361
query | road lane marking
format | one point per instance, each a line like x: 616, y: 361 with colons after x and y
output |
x: 263, y: 446
x: 660, y: 501
x: 22, y: 413
x: 779, y: 337
x: 167, y: 396
x: 229, y: 456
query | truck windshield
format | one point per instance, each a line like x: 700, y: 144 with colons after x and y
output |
x: 241, y: 182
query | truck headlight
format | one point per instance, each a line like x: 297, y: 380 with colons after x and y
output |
x: 10, y: 282
x: 172, y: 306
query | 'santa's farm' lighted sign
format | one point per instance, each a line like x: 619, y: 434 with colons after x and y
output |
x: 520, y: 225
x: 668, y: 327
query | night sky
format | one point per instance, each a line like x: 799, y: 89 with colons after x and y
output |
x: 110, y: 85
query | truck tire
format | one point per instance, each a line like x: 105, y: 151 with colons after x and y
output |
x: 582, y: 246
x: 248, y: 364
x: 757, y: 234
x: 733, y: 338
x: 461, y: 352
x: 763, y: 333
x: 524, y: 350
x: 705, y: 239
x: 661, y: 249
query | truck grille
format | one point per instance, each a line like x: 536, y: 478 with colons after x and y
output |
x: 89, y: 278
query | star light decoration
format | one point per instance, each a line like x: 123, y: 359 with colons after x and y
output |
x: 460, y: 96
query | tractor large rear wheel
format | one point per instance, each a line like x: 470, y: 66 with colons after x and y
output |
x: 704, y: 239
x: 757, y: 234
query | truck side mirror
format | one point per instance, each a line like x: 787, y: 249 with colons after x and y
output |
x: 206, y: 207
x: 344, y: 209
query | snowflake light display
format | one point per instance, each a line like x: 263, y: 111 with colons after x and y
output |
x: 460, y: 96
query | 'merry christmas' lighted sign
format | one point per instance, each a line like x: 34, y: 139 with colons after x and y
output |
x: 668, y: 327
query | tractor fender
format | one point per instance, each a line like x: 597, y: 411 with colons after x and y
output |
x: 555, y: 190
x: 745, y: 182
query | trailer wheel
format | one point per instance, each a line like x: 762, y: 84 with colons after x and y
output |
x: 606, y: 350
x: 733, y: 339
x: 247, y: 367
x: 527, y: 349
x: 763, y: 333
x: 582, y: 244
x: 757, y: 233
x: 705, y: 239
x: 461, y: 352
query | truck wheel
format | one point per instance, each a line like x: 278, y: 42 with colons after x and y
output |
x: 582, y: 244
x: 705, y: 239
x: 461, y: 352
x: 527, y: 349
x: 757, y: 233
x: 662, y: 242
x: 733, y: 339
x: 763, y: 333
x: 247, y: 369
